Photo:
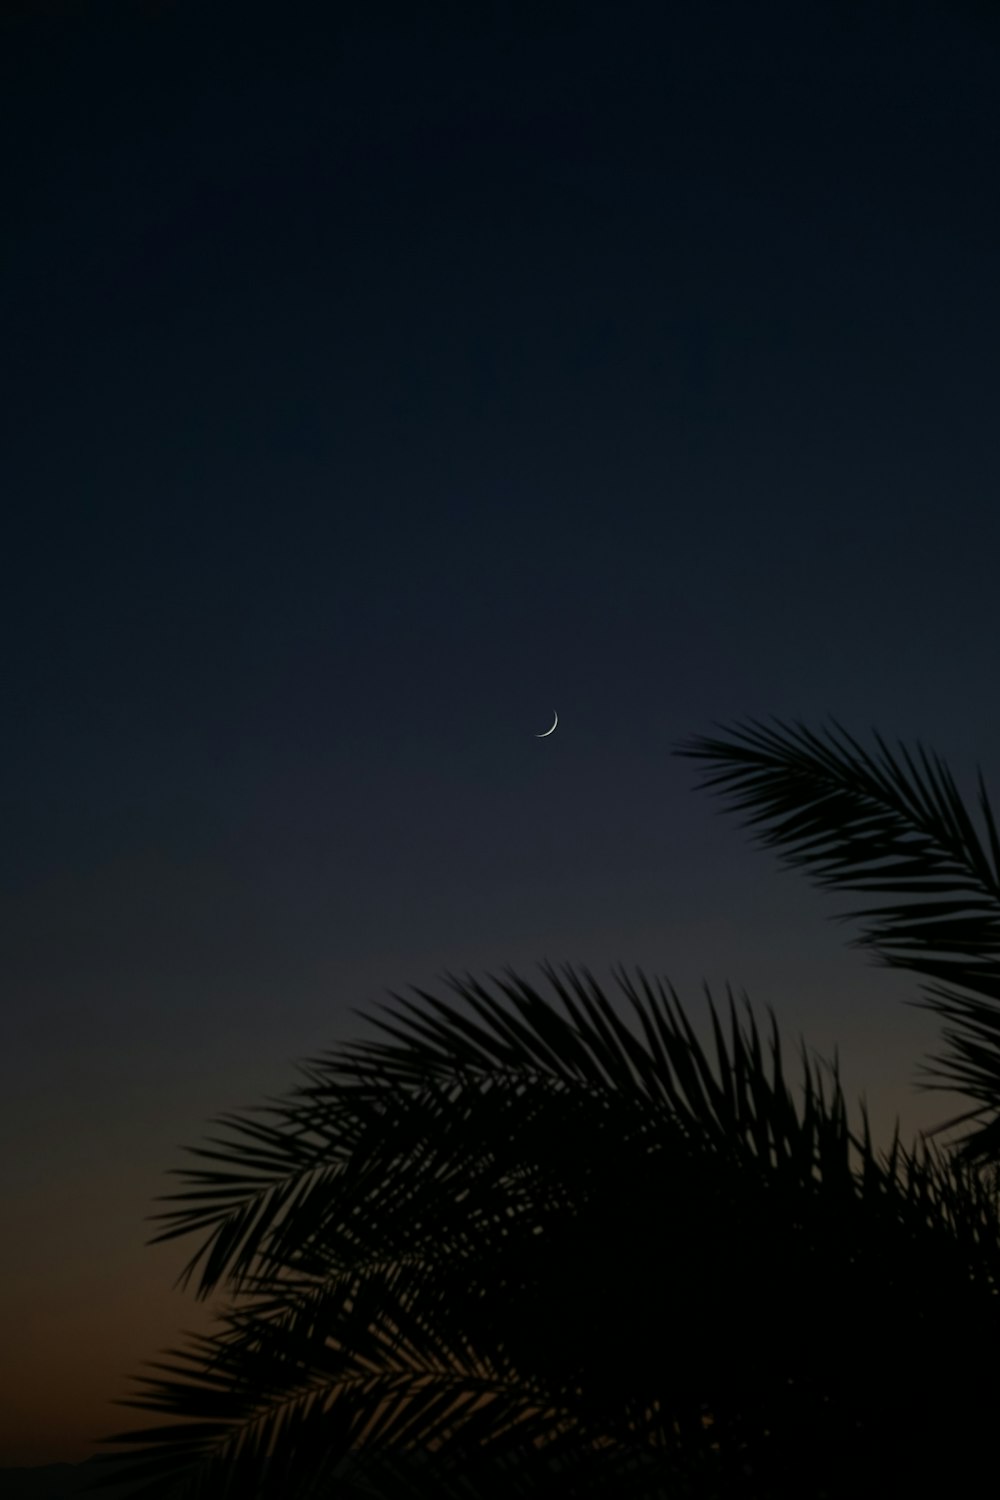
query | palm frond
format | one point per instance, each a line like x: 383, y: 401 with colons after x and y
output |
x: 860, y: 824
x: 541, y: 1234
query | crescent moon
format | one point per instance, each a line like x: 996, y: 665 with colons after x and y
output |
x: 548, y: 731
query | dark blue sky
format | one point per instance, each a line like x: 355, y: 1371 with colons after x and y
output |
x: 374, y: 386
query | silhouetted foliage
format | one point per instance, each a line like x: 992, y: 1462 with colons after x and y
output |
x: 870, y: 826
x: 534, y: 1250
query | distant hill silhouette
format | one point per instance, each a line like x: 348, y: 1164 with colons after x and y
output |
x: 59, y: 1481
x: 73, y: 1481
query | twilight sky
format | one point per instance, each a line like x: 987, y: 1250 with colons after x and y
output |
x: 374, y: 387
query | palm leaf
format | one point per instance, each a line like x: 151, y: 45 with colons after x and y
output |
x: 537, y: 1246
x: 861, y: 824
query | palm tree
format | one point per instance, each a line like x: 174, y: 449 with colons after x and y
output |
x: 865, y: 826
x: 530, y: 1246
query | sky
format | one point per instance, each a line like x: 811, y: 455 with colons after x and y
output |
x: 379, y: 381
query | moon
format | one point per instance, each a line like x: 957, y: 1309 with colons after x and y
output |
x: 548, y: 731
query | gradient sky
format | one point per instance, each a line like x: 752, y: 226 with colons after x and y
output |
x: 373, y: 389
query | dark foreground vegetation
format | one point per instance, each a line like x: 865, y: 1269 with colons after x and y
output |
x: 555, y: 1252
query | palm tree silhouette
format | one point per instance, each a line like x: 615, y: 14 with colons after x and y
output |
x: 540, y: 1251
x: 865, y: 826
